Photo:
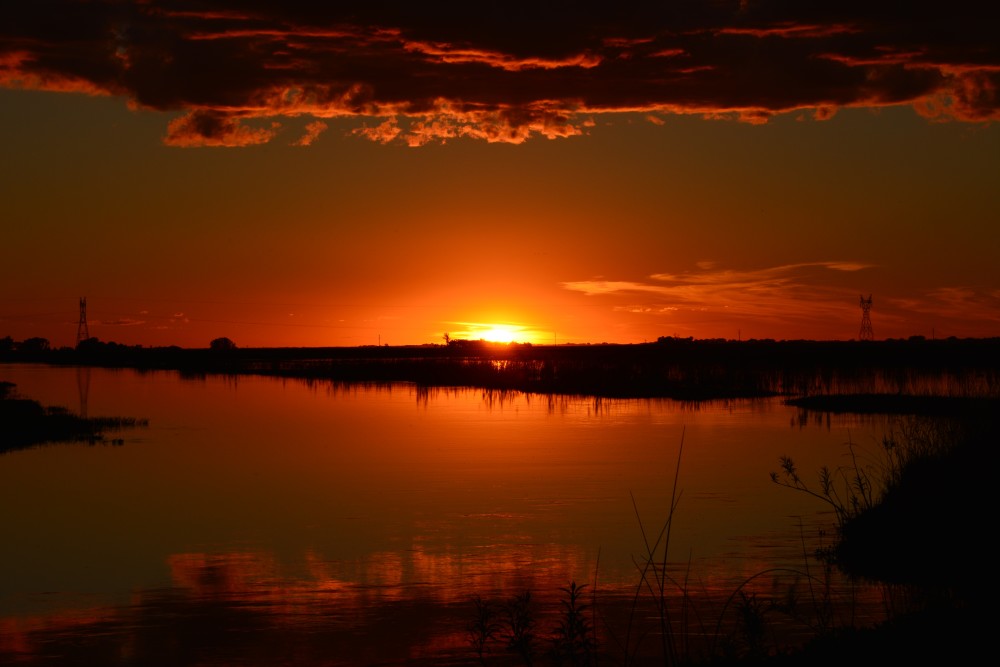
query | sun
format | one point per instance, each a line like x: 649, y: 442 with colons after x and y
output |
x: 495, y: 332
x: 500, y: 333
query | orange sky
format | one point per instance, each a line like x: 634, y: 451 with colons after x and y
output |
x: 354, y: 176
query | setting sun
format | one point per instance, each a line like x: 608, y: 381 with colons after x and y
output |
x: 501, y: 333
x: 496, y: 333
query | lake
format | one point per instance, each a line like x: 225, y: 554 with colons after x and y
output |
x: 266, y: 521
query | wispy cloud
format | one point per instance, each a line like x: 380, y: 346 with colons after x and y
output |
x: 798, y: 290
x: 820, y: 298
x: 499, y: 73
x: 961, y: 302
x: 120, y: 322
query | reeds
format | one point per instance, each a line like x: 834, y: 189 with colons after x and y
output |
x: 574, y: 641
x: 511, y: 628
x: 484, y: 628
x: 655, y: 579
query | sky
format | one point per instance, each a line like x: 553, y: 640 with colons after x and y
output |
x: 364, y: 173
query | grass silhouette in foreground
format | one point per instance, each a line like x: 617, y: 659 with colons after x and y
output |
x: 27, y: 423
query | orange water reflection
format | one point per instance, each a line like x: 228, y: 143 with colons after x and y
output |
x: 239, y: 608
x: 256, y: 519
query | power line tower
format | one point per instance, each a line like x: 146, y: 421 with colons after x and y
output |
x: 82, y: 333
x: 866, y: 332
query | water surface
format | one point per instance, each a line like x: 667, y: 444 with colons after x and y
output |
x: 256, y: 519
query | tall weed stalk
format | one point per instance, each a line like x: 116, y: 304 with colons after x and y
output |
x: 654, y: 578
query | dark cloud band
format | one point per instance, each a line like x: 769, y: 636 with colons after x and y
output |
x: 421, y: 72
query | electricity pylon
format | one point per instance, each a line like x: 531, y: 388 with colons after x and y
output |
x: 82, y: 333
x: 866, y: 332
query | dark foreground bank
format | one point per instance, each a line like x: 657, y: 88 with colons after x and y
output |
x: 920, y: 522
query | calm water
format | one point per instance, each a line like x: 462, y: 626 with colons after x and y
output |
x: 259, y: 521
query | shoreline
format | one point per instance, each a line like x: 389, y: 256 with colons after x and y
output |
x: 812, y: 373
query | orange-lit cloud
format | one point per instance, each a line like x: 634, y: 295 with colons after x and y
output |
x: 805, y: 289
x: 210, y: 128
x: 453, y: 70
x: 313, y: 130
x: 446, y: 53
x: 383, y: 133
x: 792, y: 30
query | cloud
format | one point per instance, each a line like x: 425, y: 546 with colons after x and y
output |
x: 500, y: 72
x: 957, y: 302
x: 121, y: 322
x: 597, y: 287
x: 383, y: 132
x: 210, y: 128
x: 766, y: 276
x: 313, y: 130
x: 800, y: 290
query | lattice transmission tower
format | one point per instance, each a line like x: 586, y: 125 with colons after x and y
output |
x: 866, y: 332
x: 82, y: 333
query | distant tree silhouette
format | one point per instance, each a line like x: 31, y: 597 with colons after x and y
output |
x: 35, y: 344
x: 92, y: 344
x: 222, y: 345
x: 6, y: 344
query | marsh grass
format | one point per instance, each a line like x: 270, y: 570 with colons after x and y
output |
x: 753, y: 626
x: 519, y: 629
x: 509, y: 631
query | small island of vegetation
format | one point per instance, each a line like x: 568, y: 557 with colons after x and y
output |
x: 27, y: 423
